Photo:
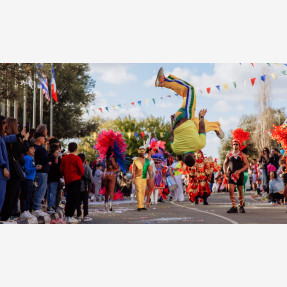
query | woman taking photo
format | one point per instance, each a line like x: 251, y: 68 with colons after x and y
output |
x: 16, y: 152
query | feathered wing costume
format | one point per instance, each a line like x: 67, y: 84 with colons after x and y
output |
x: 279, y: 133
x: 116, y: 141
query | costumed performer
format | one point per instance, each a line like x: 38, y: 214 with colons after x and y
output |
x: 188, y: 133
x: 234, y: 165
x: 243, y: 136
x: 111, y: 147
x: 176, y: 166
x: 150, y: 179
x: 141, y: 167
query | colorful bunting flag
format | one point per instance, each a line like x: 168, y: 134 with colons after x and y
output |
x: 107, y: 108
x: 136, y: 134
x: 253, y: 81
x: 153, y: 100
x: 129, y: 134
x: 276, y: 64
x: 113, y: 107
x: 142, y: 134
x: 101, y: 109
x: 252, y: 65
x: 283, y: 72
x: 218, y: 87
x: 263, y: 78
x: 120, y: 106
x: 234, y: 83
x: 161, y: 134
x: 208, y: 90
x: 87, y: 111
x: 225, y: 86
x: 133, y: 103
x: 269, y: 64
x: 146, y: 102
x: 273, y: 76
x: 139, y: 102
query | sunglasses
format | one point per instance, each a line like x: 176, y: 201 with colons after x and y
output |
x: 235, y: 144
x: 3, y: 123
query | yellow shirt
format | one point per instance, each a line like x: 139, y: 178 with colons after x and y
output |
x: 187, y: 138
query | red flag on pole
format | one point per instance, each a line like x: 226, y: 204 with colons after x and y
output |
x: 53, y: 86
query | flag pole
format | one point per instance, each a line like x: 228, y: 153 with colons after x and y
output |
x: 51, y: 104
x: 24, y: 108
x: 51, y: 114
x: 34, y: 105
x: 41, y: 106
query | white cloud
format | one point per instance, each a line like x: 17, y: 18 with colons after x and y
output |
x: 112, y: 113
x: 113, y: 73
x: 222, y: 106
x: 228, y: 123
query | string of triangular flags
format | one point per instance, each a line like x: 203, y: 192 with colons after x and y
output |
x: 134, y: 103
x: 235, y: 84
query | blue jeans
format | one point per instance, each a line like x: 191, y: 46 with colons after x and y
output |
x: 41, y: 181
x: 2, y: 192
x: 51, y: 193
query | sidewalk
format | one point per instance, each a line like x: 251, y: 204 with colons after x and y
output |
x: 40, y: 219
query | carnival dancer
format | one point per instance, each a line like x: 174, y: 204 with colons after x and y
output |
x: 150, y: 180
x: 111, y: 147
x: 178, y: 193
x: 141, y: 167
x: 188, y: 133
x: 234, y: 165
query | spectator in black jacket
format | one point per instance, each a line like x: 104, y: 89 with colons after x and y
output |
x: 41, y: 158
x: 274, y: 159
x: 54, y: 176
x: 16, y: 152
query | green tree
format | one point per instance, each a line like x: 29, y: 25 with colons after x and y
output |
x: 75, y: 92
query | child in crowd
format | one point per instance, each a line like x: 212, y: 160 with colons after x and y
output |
x: 84, y: 194
x: 27, y: 187
x: 98, y: 177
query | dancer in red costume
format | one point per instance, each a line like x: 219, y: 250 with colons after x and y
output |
x: 234, y: 165
x: 111, y: 147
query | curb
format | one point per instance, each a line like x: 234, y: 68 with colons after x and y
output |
x: 40, y: 219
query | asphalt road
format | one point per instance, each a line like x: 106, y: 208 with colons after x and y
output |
x: 124, y: 212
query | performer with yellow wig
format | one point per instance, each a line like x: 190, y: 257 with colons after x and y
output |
x: 188, y: 133
x: 141, y: 167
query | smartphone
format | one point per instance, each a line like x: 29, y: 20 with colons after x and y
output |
x: 63, y: 150
x: 27, y: 127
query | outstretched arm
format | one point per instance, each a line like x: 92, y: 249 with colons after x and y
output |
x: 225, y: 166
x: 201, y: 116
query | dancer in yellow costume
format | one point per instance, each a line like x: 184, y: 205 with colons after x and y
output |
x: 141, y: 167
x: 188, y: 133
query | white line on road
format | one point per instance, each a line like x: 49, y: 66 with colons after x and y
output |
x: 223, y: 217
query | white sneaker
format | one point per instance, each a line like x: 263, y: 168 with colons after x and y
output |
x: 32, y: 216
x: 87, y: 218
x: 26, y: 215
x: 72, y: 220
x: 39, y: 212
x: 160, y: 78
x: 79, y: 218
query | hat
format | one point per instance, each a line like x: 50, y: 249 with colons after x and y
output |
x: 38, y: 135
x: 142, y: 147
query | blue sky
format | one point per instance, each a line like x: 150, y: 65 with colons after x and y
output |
x: 126, y: 83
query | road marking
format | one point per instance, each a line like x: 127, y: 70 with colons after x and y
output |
x: 223, y: 217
